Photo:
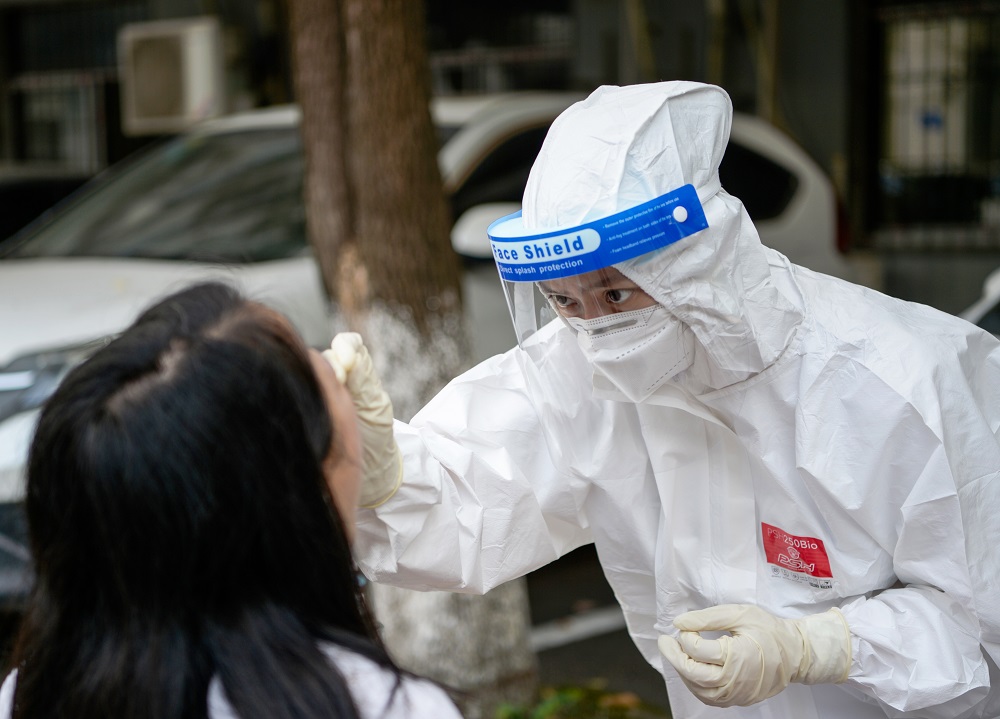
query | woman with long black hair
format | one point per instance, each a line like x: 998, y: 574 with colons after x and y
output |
x: 191, y: 492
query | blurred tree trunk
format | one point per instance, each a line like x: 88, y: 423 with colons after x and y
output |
x: 379, y: 225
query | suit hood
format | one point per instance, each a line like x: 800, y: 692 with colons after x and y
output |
x: 624, y: 146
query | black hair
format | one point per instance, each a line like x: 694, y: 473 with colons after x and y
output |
x: 182, y: 529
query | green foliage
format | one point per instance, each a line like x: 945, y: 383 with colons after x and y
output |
x: 590, y: 701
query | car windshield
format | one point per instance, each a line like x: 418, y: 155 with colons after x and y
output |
x: 233, y: 197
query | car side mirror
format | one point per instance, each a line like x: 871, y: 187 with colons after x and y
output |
x: 468, y: 235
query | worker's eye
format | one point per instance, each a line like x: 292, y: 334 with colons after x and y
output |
x: 562, y: 301
x: 618, y: 296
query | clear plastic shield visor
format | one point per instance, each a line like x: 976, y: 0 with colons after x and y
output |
x: 569, y: 271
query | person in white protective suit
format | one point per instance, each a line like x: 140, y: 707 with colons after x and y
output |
x: 792, y: 482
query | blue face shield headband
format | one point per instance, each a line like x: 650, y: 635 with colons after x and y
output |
x: 525, y: 257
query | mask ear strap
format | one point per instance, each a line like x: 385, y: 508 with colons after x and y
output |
x: 710, y: 189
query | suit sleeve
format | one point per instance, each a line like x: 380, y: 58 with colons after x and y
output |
x: 927, y: 646
x: 481, y: 502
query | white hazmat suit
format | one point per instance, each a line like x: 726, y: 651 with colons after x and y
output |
x: 821, y: 446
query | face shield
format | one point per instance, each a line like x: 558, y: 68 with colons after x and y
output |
x: 569, y: 273
x: 620, y: 176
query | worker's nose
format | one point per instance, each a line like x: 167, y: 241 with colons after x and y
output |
x: 591, y: 308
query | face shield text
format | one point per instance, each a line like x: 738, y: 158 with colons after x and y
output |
x: 539, y: 250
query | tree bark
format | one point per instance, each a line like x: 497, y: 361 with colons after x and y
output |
x: 379, y: 225
x: 319, y: 76
x: 401, y: 208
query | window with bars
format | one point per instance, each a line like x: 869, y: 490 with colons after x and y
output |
x: 61, y: 98
x: 939, y: 162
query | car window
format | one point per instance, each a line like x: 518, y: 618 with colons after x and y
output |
x: 233, y: 197
x: 503, y: 173
x: 764, y: 186
x: 445, y: 133
x: 991, y: 320
x: 24, y: 200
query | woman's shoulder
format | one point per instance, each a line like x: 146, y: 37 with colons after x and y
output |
x: 377, y: 691
x: 380, y: 692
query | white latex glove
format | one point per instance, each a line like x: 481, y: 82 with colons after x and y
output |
x: 761, y: 655
x: 383, y: 464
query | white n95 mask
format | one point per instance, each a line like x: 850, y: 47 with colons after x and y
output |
x: 636, y: 351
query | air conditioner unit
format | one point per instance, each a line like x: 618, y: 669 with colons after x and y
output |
x: 171, y: 74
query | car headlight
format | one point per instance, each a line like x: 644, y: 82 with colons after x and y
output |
x: 29, y: 380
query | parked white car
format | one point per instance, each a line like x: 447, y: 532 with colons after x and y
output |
x: 985, y: 312
x: 225, y: 199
